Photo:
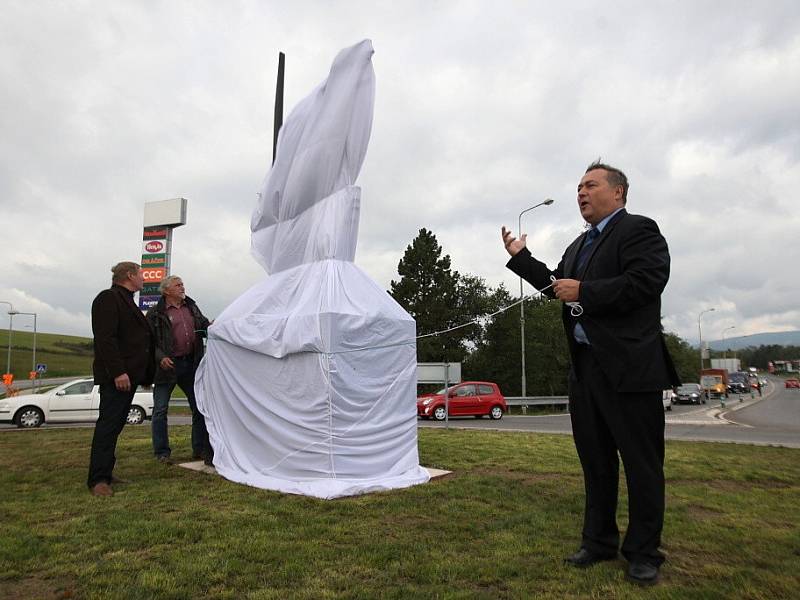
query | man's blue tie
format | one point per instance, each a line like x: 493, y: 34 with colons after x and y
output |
x: 587, y: 247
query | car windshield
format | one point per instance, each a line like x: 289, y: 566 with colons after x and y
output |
x: 689, y: 388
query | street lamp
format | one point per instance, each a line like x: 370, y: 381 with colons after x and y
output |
x: 10, y: 326
x: 700, y: 335
x: 33, y: 362
x: 725, y: 349
x: 547, y: 202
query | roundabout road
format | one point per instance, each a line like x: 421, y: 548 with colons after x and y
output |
x: 773, y: 420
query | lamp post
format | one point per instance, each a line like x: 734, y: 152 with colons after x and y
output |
x: 33, y: 360
x: 725, y: 355
x: 547, y: 202
x: 10, y: 328
x: 700, y: 335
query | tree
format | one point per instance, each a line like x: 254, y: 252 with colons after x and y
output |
x: 428, y: 290
x: 685, y: 358
x: 498, y: 358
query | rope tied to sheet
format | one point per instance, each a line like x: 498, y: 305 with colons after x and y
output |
x: 576, y: 310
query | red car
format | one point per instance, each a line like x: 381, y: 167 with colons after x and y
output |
x: 470, y: 398
x: 793, y: 383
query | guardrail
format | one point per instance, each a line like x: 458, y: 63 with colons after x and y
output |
x: 525, y: 401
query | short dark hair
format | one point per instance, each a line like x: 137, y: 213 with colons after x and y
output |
x: 613, y: 175
x: 120, y: 271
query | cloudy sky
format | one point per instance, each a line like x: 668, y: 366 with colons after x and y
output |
x: 482, y: 109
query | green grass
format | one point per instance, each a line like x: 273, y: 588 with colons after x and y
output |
x: 64, y: 355
x: 498, y: 527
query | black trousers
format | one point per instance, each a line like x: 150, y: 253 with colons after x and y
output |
x: 606, y: 425
x: 184, y: 378
x: 114, y: 407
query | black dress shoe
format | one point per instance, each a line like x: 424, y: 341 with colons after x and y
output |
x: 584, y: 558
x: 642, y: 573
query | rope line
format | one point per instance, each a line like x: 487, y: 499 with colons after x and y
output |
x: 576, y: 310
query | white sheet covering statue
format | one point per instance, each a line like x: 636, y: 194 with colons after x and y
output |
x: 308, y: 385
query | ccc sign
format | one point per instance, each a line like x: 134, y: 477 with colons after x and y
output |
x: 153, y: 275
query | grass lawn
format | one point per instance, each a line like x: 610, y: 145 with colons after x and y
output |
x: 497, y: 528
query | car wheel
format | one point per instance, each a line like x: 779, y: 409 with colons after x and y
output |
x: 135, y: 416
x: 439, y: 413
x: 496, y: 413
x: 29, y: 416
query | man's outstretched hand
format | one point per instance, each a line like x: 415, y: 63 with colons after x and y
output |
x: 512, y: 244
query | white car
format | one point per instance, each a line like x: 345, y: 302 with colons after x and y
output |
x: 78, y: 400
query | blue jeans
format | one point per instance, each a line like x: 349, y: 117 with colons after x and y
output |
x: 184, y: 379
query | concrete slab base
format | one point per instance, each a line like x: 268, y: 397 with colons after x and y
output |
x: 436, y: 473
x: 198, y: 466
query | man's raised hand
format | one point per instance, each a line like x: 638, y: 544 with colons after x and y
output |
x: 512, y: 244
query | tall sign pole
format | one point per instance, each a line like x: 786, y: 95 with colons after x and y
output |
x: 160, y: 218
x: 278, y: 104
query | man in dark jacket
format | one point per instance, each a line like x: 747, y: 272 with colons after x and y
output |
x: 123, y: 360
x: 179, y: 329
x: 610, y: 280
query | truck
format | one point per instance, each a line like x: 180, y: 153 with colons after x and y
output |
x: 731, y: 365
x: 714, y: 382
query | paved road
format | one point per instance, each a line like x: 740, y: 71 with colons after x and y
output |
x: 780, y: 413
x: 773, y: 420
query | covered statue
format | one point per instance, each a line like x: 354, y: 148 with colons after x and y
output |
x: 308, y: 385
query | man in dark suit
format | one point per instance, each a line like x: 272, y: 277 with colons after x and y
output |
x: 123, y: 360
x: 610, y: 280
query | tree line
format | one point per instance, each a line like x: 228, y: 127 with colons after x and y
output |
x: 440, y: 299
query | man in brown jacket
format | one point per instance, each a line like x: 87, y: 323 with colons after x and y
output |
x: 123, y: 360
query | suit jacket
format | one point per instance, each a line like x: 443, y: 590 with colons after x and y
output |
x: 123, y: 341
x: 621, y: 284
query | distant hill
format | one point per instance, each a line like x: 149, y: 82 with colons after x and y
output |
x: 64, y: 355
x: 781, y: 338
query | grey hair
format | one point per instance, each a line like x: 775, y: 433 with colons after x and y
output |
x: 166, y: 282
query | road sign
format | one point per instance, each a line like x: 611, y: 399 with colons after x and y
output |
x: 41, y: 368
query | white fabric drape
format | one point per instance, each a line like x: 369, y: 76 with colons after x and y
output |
x: 308, y: 385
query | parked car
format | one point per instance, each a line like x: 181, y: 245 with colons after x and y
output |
x: 470, y: 398
x: 668, y: 398
x: 690, y: 393
x: 76, y: 401
x: 792, y: 383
